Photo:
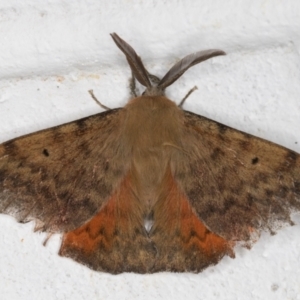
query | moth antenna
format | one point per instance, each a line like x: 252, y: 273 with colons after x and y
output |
x: 97, y: 101
x: 134, y: 61
x: 187, y: 95
x: 184, y: 64
x: 132, y: 86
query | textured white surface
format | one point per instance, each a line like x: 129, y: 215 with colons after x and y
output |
x: 53, y: 51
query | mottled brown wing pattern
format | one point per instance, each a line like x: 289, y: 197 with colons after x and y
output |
x: 182, y: 241
x: 115, y: 240
x: 44, y: 177
x: 238, y: 184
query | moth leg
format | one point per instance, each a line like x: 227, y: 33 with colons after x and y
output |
x: 132, y: 86
x: 187, y: 95
x: 49, y: 235
x: 97, y: 101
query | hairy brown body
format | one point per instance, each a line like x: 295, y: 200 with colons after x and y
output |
x: 153, y: 134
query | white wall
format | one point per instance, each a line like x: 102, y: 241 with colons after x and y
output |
x: 52, y: 52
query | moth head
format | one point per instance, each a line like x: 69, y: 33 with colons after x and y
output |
x: 157, y: 86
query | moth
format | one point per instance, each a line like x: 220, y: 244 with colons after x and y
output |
x: 149, y: 187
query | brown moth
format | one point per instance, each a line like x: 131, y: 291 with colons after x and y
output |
x: 201, y: 185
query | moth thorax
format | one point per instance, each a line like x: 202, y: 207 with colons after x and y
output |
x: 154, y: 91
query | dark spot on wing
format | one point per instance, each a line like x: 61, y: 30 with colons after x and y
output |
x: 211, y: 209
x: 250, y: 200
x: 245, y: 145
x: 20, y: 165
x: 222, y: 128
x: 44, y: 174
x: 11, y: 147
x: 57, y: 136
x: 229, y: 202
x: 192, y: 233
x: 81, y: 127
x: 297, y: 187
x: 255, y: 160
x: 63, y: 195
x: 217, y: 152
x: 269, y: 193
x: 106, y: 165
x: 34, y: 169
x: 283, y: 192
x: 261, y: 177
x: 45, y: 190
x: 45, y: 152
x: 289, y: 162
x: 84, y: 149
x: 3, y: 175
x: 29, y: 187
x: 87, y: 203
x: 292, y: 155
x: 291, y: 158
x: 102, y: 230
x: 102, y: 188
x: 81, y: 123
